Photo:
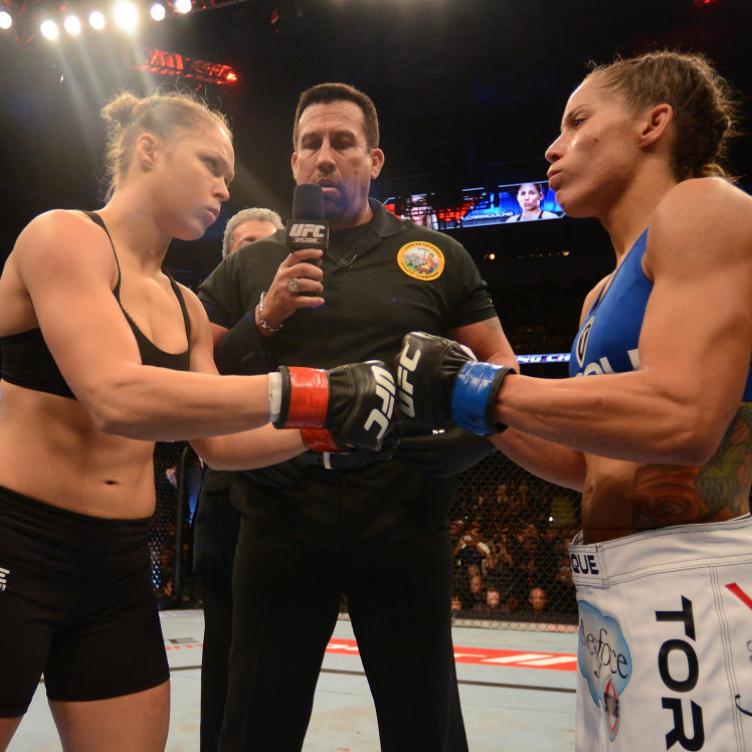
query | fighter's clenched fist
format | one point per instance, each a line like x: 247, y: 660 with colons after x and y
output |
x: 354, y: 402
x: 440, y: 382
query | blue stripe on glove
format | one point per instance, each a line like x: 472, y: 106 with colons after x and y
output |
x: 474, y: 396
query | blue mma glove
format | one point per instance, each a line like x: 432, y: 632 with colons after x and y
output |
x: 441, y: 383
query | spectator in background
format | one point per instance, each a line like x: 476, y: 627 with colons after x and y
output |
x: 248, y: 226
x: 456, y: 604
x: 493, y: 601
x: 538, y: 600
x: 470, y: 548
x: 526, y: 561
x: 456, y: 527
x: 476, y: 596
x: 505, y: 500
x: 522, y: 506
x: 498, y: 565
x: 530, y: 197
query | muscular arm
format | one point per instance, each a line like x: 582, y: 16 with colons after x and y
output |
x: 247, y: 450
x: 694, y: 347
x: 66, y: 265
x: 550, y: 461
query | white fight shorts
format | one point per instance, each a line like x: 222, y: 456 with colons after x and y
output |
x: 665, y: 640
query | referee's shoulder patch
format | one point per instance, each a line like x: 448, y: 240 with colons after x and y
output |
x: 421, y: 260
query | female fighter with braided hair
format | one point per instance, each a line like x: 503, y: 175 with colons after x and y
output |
x: 658, y: 437
x: 102, y: 354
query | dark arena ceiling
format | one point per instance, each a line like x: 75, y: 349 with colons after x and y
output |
x: 469, y: 92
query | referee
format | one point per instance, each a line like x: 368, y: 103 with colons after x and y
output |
x: 365, y: 525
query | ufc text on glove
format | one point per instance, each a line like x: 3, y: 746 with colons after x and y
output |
x: 440, y: 382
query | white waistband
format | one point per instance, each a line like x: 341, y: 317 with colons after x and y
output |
x: 679, y: 547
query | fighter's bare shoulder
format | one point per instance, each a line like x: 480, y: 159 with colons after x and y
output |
x: 705, y: 220
x: 60, y: 238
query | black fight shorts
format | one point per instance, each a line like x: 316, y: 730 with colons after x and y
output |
x: 76, y: 604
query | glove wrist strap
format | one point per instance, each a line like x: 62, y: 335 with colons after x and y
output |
x: 305, y: 398
x: 474, y: 397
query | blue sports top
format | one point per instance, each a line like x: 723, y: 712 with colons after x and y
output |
x: 26, y: 361
x: 607, y: 340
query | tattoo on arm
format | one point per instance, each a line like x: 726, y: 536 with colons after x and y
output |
x: 719, y: 490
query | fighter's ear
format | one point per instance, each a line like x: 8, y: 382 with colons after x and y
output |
x: 654, y: 123
x: 377, y: 162
x: 146, y: 150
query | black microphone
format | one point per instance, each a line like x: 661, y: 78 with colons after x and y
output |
x: 307, y: 228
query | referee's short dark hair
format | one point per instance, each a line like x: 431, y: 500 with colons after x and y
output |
x: 338, y: 92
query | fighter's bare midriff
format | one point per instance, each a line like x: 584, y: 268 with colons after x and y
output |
x: 620, y: 498
x: 69, y: 463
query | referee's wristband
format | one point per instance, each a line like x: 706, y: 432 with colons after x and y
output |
x: 474, y: 397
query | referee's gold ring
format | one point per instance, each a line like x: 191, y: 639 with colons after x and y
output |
x: 293, y: 286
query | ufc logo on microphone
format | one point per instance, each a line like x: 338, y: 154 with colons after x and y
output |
x: 302, y: 231
x: 385, y: 391
x: 407, y: 364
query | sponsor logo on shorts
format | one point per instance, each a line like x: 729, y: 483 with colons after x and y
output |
x: 605, y: 661
x: 743, y: 596
x: 679, y: 669
x: 585, y: 564
x: 3, y: 578
x: 739, y: 707
x: 421, y: 260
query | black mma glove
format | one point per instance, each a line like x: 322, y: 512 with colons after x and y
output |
x: 355, y: 402
x: 443, y: 454
x: 441, y: 382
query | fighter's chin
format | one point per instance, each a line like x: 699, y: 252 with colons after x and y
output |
x: 192, y: 231
x: 572, y: 207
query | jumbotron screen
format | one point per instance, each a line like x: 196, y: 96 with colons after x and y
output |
x: 475, y: 207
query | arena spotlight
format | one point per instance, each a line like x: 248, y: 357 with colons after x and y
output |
x: 158, y: 11
x: 49, y: 29
x: 6, y: 20
x: 126, y: 15
x: 96, y: 20
x: 183, y: 6
x: 72, y: 25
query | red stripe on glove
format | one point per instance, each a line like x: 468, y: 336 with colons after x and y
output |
x: 309, y: 398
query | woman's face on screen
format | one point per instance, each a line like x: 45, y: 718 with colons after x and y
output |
x: 528, y: 197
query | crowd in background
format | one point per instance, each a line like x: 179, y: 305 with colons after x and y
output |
x: 509, y: 543
x: 510, y: 549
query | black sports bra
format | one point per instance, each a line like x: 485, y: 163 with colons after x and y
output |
x: 26, y: 361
